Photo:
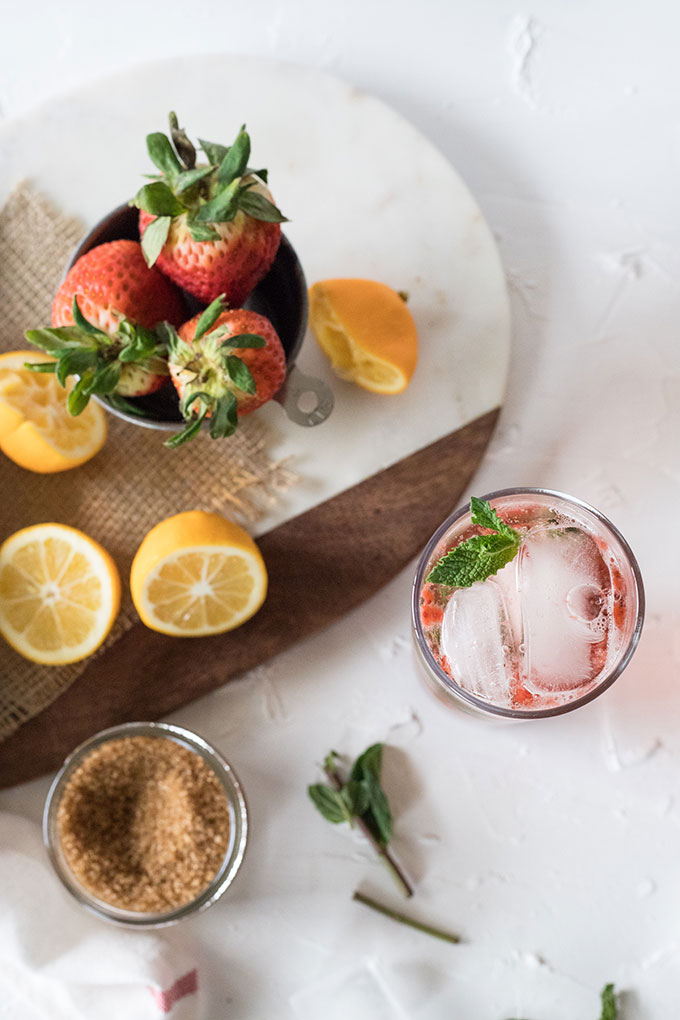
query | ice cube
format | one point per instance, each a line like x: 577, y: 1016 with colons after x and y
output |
x: 563, y: 582
x: 506, y: 579
x: 477, y: 640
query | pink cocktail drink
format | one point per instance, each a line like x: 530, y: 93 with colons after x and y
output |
x: 546, y: 632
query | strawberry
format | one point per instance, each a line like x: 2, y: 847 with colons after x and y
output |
x: 211, y: 380
x: 211, y: 228
x: 102, y: 321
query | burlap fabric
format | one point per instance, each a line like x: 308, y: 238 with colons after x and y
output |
x: 133, y: 483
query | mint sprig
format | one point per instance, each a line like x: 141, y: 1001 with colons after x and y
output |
x: 480, y: 556
x: 361, y: 796
x: 360, y: 800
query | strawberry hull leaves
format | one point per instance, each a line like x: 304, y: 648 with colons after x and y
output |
x: 221, y: 406
x: 221, y: 368
x: 205, y: 194
x: 185, y: 150
x: 99, y: 360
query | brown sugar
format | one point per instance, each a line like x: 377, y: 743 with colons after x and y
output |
x: 144, y: 824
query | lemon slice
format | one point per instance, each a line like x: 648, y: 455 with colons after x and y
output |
x: 367, y: 331
x: 36, y: 430
x: 197, y: 574
x: 59, y: 593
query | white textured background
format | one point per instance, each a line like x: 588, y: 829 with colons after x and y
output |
x: 553, y: 848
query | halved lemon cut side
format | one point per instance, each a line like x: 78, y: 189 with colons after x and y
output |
x: 59, y: 593
x: 197, y: 574
x: 36, y: 430
x: 367, y: 332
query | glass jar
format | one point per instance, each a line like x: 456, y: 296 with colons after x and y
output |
x: 237, y: 812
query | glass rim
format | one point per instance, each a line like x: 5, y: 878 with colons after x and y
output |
x: 238, y: 834
x: 450, y: 685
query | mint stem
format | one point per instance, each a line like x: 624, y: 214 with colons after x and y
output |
x: 392, y: 865
x: 396, y: 915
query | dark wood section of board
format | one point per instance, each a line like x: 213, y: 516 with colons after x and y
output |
x: 321, y: 564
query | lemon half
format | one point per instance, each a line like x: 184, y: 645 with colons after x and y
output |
x: 36, y: 430
x: 59, y: 593
x: 197, y: 574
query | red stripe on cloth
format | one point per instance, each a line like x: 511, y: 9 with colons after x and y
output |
x: 165, y: 999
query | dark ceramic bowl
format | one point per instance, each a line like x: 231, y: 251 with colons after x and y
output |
x: 281, y: 296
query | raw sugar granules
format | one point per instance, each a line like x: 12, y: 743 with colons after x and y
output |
x: 144, y: 824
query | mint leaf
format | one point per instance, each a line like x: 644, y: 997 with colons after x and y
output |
x: 357, y: 796
x: 474, y: 560
x: 330, y: 803
x: 369, y: 764
x: 377, y: 815
x: 480, y: 556
x: 609, y: 1008
x: 484, y: 516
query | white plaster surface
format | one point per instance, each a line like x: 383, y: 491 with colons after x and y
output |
x: 552, y: 847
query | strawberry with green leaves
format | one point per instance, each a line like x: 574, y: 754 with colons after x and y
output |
x: 211, y: 227
x: 102, y: 326
x: 224, y: 364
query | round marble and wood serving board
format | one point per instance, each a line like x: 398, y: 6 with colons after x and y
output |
x: 367, y: 196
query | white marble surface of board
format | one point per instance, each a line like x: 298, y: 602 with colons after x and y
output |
x: 410, y: 223
x: 553, y: 847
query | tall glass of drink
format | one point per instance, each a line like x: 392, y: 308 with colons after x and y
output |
x: 547, y: 632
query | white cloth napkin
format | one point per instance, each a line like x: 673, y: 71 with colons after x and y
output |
x: 58, y: 962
